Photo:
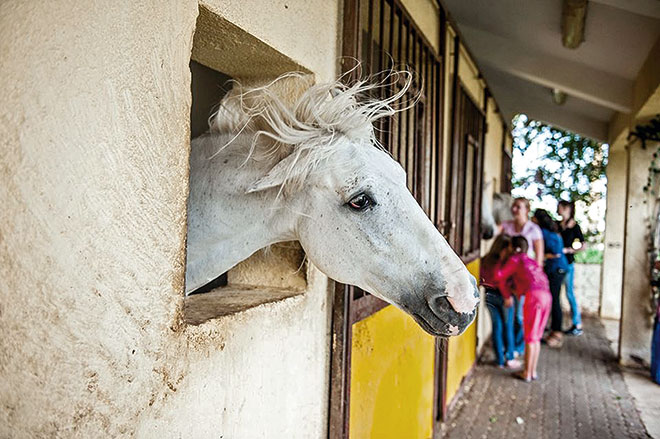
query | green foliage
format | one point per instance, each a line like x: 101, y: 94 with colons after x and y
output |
x: 589, y: 256
x: 577, y: 161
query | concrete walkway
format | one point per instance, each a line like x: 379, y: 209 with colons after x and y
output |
x: 581, y: 394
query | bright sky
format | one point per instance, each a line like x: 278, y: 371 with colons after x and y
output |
x: 590, y: 217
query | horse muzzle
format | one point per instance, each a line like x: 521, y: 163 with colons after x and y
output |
x: 438, y: 316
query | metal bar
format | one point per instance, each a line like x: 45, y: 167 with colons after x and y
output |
x: 390, y: 47
x: 405, y: 116
x: 351, y: 36
x: 450, y: 226
x: 370, y: 38
x: 415, y: 125
x: 398, y: 60
x: 381, y: 45
x: 340, y: 364
x: 429, y: 147
x: 435, y: 182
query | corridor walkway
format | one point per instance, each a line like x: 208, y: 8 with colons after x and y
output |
x: 581, y: 394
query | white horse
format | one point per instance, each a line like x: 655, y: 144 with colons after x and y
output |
x: 310, y: 169
x: 494, y: 212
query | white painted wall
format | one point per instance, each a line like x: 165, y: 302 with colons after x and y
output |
x: 94, y: 133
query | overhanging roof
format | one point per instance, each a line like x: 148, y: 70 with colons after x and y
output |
x: 518, y: 47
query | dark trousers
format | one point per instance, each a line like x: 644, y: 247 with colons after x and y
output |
x: 655, y: 351
x: 556, y: 278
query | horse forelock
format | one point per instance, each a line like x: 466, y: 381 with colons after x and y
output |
x: 292, y: 116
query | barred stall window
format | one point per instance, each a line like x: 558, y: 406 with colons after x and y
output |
x: 506, y: 183
x: 381, y: 35
x: 464, y: 198
x: 387, y: 38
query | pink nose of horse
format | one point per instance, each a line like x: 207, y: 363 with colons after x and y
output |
x: 464, y: 296
x: 438, y: 316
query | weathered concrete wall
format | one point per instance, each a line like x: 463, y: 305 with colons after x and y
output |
x: 586, y: 286
x: 307, y: 32
x: 612, y: 274
x: 93, y: 169
x: 636, y: 323
x: 635, y: 305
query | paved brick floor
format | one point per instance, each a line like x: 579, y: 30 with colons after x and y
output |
x: 581, y: 394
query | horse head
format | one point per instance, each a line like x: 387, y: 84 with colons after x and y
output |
x: 495, y: 210
x: 345, y: 199
x: 488, y: 226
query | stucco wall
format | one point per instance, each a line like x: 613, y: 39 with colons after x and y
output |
x: 612, y: 274
x: 307, y: 32
x: 95, y: 136
x: 632, y: 259
x: 636, y: 323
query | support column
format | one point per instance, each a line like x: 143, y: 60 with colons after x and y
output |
x: 636, y: 323
x: 612, y: 270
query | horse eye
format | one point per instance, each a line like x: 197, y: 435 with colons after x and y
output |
x: 360, y: 202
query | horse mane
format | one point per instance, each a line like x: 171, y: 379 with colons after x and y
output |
x: 291, y: 117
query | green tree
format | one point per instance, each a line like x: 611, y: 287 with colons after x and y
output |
x: 574, y: 162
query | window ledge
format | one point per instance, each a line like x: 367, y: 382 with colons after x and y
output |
x: 223, y: 301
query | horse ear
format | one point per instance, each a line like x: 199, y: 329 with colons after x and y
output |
x: 276, y: 176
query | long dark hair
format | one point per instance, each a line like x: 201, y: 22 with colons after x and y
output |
x: 570, y: 205
x: 501, y: 242
x: 545, y: 221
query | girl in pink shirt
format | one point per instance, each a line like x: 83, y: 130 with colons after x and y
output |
x: 527, y: 279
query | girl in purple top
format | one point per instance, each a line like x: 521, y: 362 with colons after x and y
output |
x: 521, y: 225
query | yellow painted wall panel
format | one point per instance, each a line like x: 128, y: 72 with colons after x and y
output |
x: 462, y: 350
x: 470, y: 77
x: 392, y: 363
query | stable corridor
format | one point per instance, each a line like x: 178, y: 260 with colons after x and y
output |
x: 581, y: 394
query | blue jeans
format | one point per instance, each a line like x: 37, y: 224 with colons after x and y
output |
x: 503, y: 327
x: 515, y: 329
x: 570, y: 295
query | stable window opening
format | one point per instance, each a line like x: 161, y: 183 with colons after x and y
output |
x: 223, y: 52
